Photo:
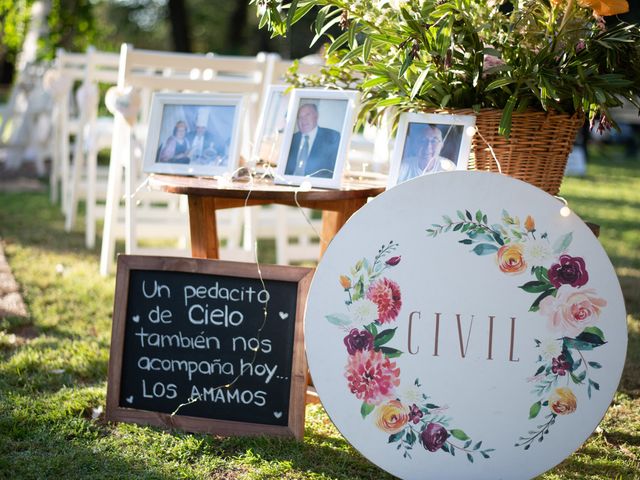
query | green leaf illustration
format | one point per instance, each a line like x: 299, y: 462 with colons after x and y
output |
x: 535, y: 410
x: 372, y: 329
x: 535, y: 306
x: 498, y: 238
x: 595, y: 365
x: 594, y: 331
x: 562, y: 243
x: 390, y: 352
x: 459, y: 434
x: 339, y: 319
x: 468, y: 214
x: 541, y: 274
x: 578, y: 379
x: 366, y: 409
x: 584, y: 341
x: 466, y: 241
x: 479, y: 216
x: 536, y: 286
x: 484, y: 249
x: 383, y: 337
x: 470, y: 457
x: 396, y: 436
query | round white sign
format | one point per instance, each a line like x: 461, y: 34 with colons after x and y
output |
x: 458, y: 326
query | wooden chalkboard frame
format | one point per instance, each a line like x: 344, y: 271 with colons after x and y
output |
x: 114, y: 412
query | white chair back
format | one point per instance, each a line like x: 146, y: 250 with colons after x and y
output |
x: 151, y: 71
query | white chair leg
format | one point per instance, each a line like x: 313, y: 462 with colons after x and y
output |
x: 119, y: 146
x: 92, y: 172
x: 76, y: 173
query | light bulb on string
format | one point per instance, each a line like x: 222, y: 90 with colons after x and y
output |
x: 565, y: 211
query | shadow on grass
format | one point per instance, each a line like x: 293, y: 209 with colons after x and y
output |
x: 311, y: 455
x: 43, y: 227
x: 576, y: 469
x: 38, y: 450
x: 630, y: 382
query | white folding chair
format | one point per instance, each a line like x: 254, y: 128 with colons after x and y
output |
x: 149, y: 71
x: 95, y: 133
x: 69, y: 69
x: 26, y: 123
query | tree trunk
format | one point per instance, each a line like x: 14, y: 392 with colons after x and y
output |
x: 179, y: 25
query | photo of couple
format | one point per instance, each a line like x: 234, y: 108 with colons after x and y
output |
x: 195, y: 135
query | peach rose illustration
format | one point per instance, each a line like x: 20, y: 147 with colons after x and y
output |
x: 563, y: 401
x: 510, y: 259
x: 392, y: 417
x: 571, y: 310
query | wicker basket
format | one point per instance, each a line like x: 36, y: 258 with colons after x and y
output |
x: 536, y: 151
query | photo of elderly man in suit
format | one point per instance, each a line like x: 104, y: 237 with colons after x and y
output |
x: 313, y: 149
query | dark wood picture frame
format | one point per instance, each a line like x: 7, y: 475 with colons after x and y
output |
x: 298, y: 375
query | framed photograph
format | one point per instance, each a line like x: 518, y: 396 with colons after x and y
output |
x: 430, y: 143
x: 193, y: 134
x: 271, y: 126
x: 316, y: 137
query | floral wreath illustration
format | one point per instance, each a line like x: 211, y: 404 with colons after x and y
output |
x: 373, y: 374
x: 571, y: 309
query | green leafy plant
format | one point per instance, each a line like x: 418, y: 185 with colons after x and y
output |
x: 550, y: 55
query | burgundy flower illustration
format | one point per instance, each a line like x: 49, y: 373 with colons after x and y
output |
x: 559, y: 366
x: 358, y: 340
x: 434, y: 436
x: 371, y: 376
x: 393, y: 261
x: 415, y: 414
x: 570, y: 271
x: 385, y: 294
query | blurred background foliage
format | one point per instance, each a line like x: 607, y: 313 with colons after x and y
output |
x: 199, y: 26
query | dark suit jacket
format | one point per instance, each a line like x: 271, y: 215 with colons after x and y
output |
x: 322, y: 158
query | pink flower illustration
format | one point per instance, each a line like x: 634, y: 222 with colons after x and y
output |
x: 371, y: 376
x: 385, y: 294
x: 571, y: 310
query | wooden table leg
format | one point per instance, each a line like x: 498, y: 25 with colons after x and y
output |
x: 202, y: 225
x: 332, y: 221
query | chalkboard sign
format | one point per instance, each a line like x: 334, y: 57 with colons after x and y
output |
x: 208, y: 346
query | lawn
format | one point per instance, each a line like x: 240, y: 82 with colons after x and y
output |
x: 53, y: 364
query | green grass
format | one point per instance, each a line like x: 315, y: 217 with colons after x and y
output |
x: 53, y: 366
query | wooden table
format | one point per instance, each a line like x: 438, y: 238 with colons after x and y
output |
x: 207, y: 195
